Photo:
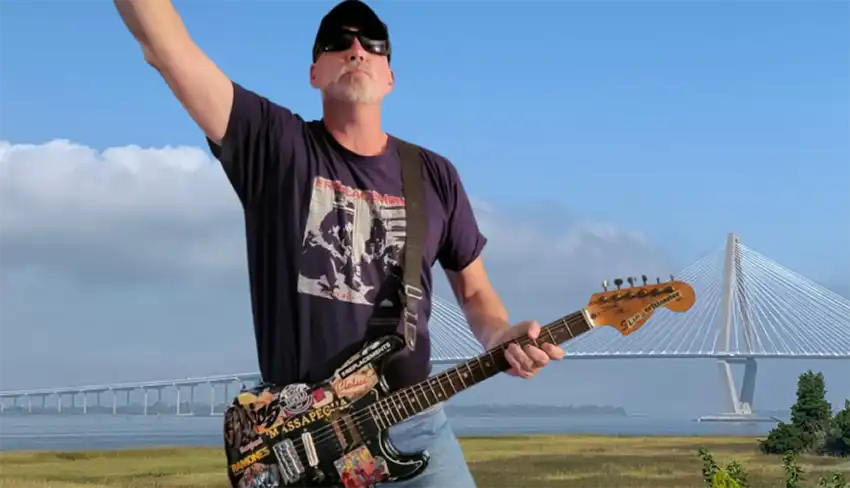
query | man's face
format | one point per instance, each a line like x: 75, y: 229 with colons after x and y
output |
x: 354, y: 75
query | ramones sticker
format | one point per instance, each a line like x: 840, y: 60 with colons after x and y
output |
x: 244, y: 463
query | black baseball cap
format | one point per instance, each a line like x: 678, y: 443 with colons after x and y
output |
x: 351, y: 13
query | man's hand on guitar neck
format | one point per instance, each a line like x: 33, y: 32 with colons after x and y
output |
x: 526, y: 362
x: 488, y: 319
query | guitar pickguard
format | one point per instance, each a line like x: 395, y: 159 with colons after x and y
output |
x: 311, y: 435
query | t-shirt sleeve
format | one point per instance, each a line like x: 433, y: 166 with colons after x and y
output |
x: 258, y: 143
x: 463, y: 241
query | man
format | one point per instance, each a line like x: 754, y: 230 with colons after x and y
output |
x: 324, y: 213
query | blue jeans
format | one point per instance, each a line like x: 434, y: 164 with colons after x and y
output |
x: 431, y: 431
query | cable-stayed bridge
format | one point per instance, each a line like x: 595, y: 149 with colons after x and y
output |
x: 747, y: 307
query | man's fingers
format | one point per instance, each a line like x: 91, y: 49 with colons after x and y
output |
x: 538, y: 357
x: 518, y: 360
x: 553, y: 351
x: 533, y: 330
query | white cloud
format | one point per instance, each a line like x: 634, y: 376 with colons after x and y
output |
x: 122, y: 215
x: 131, y: 252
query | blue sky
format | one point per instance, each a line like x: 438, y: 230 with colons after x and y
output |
x: 678, y: 120
x: 682, y: 119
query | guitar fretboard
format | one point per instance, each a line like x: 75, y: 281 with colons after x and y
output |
x: 412, y: 400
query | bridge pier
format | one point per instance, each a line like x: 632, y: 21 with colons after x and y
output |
x: 739, y: 403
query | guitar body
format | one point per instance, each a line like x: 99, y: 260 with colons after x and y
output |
x: 335, y: 433
x: 304, y: 435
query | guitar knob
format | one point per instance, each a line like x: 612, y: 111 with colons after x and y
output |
x: 643, y: 277
x: 671, y: 278
x: 658, y: 280
x: 605, y: 285
x: 618, y: 282
x: 631, y: 281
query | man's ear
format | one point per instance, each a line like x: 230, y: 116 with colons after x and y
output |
x: 392, y: 78
x: 313, y: 75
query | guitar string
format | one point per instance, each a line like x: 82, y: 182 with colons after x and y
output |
x: 359, y: 417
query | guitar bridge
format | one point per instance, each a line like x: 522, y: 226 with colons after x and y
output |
x: 291, y: 468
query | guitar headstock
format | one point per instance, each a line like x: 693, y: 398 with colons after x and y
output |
x: 627, y: 309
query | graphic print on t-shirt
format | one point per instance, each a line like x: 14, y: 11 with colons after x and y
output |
x: 353, y: 238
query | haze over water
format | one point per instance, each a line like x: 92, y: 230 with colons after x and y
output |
x: 76, y: 432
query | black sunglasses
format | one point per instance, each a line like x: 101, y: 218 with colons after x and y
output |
x: 343, y: 39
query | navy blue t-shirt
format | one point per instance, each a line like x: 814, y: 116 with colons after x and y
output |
x: 324, y: 228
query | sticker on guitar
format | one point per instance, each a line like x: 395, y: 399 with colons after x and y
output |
x: 355, y: 384
x: 359, y: 469
x: 296, y: 398
x: 367, y: 355
x: 260, y: 476
x: 288, y: 424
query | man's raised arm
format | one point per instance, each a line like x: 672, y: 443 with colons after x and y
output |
x: 203, y: 89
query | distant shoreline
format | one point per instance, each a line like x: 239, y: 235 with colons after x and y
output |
x: 537, y: 410
x: 201, y: 410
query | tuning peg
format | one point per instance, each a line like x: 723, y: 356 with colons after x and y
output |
x: 618, y: 282
x: 671, y: 278
x: 605, y: 285
x: 631, y: 281
x: 643, y: 277
x: 658, y: 280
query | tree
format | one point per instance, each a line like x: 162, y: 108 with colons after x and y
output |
x: 812, y: 413
x: 783, y: 438
x: 837, y: 441
x: 811, y: 418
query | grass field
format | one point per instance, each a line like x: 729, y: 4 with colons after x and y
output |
x: 532, y: 461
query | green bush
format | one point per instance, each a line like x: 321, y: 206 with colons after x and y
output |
x: 812, y: 427
x: 837, y: 439
x: 735, y: 476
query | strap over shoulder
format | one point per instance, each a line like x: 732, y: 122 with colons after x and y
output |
x: 413, y: 187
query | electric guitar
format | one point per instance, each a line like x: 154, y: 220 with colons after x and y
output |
x: 335, y: 433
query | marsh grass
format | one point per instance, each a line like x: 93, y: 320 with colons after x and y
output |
x: 527, y: 461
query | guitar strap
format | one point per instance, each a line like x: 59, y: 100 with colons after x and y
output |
x: 410, y: 292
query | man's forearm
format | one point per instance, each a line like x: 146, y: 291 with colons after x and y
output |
x: 486, y: 315
x: 155, y: 24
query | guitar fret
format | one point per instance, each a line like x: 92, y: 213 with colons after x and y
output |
x: 567, y: 326
x: 417, y: 398
x: 449, y: 381
x: 480, y: 367
x: 376, y: 415
x: 433, y: 391
x: 391, y: 405
x: 460, y: 378
x: 440, y: 384
x: 406, y: 413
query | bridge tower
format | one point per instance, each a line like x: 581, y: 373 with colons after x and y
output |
x: 739, y: 402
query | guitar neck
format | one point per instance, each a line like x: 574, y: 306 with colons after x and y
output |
x: 412, y: 400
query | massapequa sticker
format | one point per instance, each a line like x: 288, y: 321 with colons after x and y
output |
x: 287, y: 424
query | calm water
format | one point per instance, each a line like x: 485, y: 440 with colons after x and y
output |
x: 78, y: 432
